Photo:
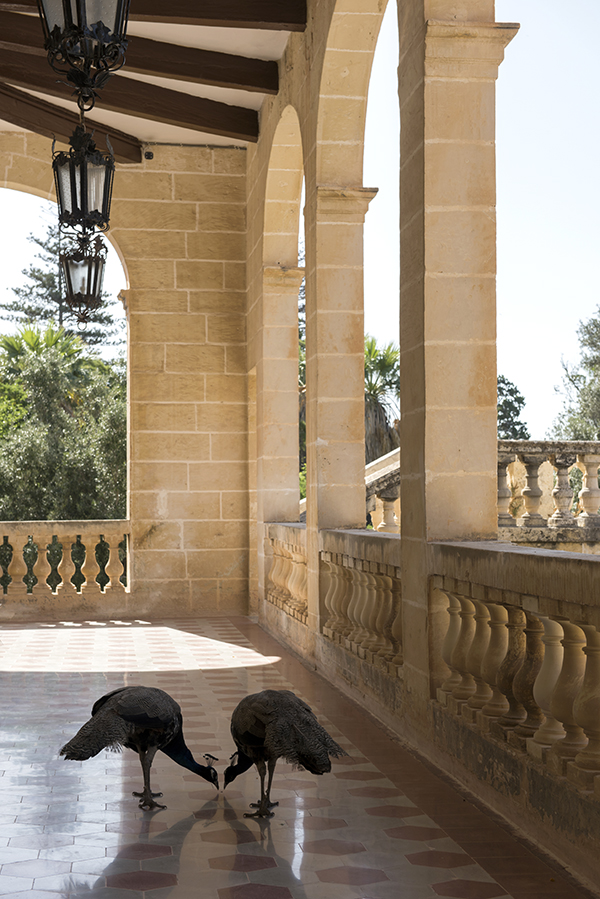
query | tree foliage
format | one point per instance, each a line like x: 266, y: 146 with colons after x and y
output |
x: 41, y: 302
x: 580, y: 417
x: 64, y: 454
x: 510, y: 406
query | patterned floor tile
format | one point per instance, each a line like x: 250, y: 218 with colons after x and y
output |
x: 381, y: 826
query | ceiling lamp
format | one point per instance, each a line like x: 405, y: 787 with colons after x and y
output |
x: 83, y: 271
x: 85, y: 40
x: 84, y: 180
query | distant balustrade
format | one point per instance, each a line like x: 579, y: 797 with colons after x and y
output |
x: 549, y: 510
x: 63, y: 558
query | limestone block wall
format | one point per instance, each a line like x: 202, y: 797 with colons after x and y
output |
x: 179, y: 223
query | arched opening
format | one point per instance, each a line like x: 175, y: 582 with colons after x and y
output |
x: 64, y: 393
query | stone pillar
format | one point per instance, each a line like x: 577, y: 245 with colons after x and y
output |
x: 447, y: 75
x: 335, y: 442
x: 277, y: 403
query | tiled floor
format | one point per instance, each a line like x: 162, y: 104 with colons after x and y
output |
x: 380, y: 826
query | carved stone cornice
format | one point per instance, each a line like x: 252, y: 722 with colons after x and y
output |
x: 344, y: 204
x: 466, y: 49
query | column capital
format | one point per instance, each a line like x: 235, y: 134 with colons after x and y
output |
x: 277, y: 278
x: 466, y: 49
x: 343, y: 204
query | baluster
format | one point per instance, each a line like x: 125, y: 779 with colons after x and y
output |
x: 42, y: 567
x: 492, y: 662
x: 361, y: 608
x: 275, y: 574
x: 289, y: 576
x: 565, y: 694
x: 354, y: 602
x: 543, y: 689
x: 292, y: 582
x: 475, y: 657
x: 466, y: 686
x: 450, y: 641
x: 562, y: 493
x: 505, y: 519
x: 66, y: 566
x: 515, y: 654
x: 389, y: 523
x: 589, y: 496
x: 328, y: 588
x: 396, y: 633
x: 371, y: 644
x: 524, y: 681
x: 586, y: 712
x: 532, y: 493
x: 113, y: 567
x: 302, y: 583
x: 90, y: 567
x: 383, y: 623
x: 340, y: 600
x: 17, y: 570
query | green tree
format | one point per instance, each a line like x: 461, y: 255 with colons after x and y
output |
x: 382, y: 398
x: 42, y: 301
x: 510, y: 406
x: 580, y: 417
x: 65, y: 457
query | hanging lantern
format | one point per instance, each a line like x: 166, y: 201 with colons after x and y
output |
x: 85, y: 40
x: 83, y: 271
x: 84, y: 180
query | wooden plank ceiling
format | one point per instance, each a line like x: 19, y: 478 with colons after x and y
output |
x: 179, y: 84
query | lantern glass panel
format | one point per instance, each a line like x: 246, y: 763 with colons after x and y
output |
x: 104, y: 11
x: 54, y: 14
x: 96, y: 176
x: 67, y: 202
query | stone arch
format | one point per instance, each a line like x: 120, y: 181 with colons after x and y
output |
x: 283, y: 192
x: 346, y: 71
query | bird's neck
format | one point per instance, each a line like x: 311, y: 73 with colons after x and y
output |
x: 179, y: 752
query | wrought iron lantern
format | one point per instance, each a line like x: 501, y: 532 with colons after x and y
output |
x: 84, y: 181
x: 85, y: 40
x: 83, y: 272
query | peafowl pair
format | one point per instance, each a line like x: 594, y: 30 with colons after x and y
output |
x: 265, y: 727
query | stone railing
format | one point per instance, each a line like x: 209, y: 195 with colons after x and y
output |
x: 286, y: 582
x: 361, y: 596
x: 547, y: 508
x: 62, y: 558
x: 524, y: 668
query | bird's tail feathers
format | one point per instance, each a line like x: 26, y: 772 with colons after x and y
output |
x: 100, y: 732
x: 304, y: 745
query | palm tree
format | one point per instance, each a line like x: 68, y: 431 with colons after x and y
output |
x: 382, y: 398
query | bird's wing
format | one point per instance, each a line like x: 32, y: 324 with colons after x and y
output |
x: 142, y: 706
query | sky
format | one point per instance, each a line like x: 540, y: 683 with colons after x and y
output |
x: 548, y: 179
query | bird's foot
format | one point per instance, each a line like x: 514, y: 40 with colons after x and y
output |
x: 261, y: 811
x: 266, y: 804
x: 147, y: 801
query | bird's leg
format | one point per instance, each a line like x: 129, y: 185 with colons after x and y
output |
x: 263, y: 807
x: 147, y: 796
x: 271, y: 765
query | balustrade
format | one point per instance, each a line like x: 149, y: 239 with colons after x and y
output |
x: 287, y: 578
x: 63, y: 558
x: 548, y: 512
x: 525, y: 674
x: 362, y: 598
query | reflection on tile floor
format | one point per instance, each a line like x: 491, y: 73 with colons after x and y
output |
x: 381, y: 826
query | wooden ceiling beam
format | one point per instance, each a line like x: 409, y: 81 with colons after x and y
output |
x: 271, y: 15
x: 51, y: 121
x: 24, y: 34
x: 139, y: 99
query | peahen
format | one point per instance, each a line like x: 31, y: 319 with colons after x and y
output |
x: 277, y: 724
x: 144, y: 719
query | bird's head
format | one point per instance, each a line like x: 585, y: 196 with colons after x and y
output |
x: 210, y: 773
x: 231, y: 772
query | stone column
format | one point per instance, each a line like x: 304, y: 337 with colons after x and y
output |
x: 447, y: 75
x: 277, y: 488
x: 335, y: 435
